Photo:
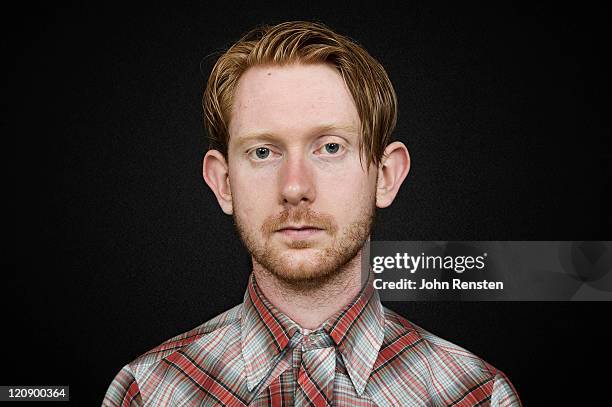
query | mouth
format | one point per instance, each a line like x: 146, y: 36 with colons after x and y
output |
x: 300, y: 232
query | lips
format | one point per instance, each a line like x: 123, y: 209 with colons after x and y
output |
x: 304, y: 227
x: 300, y: 232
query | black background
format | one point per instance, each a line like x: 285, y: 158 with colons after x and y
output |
x: 119, y: 244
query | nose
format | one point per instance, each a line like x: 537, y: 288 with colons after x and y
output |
x: 296, y: 180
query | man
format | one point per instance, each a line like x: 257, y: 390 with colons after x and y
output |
x: 300, y: 119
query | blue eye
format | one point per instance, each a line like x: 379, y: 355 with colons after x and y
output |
x: 262, y: 152
x: 332, y: 148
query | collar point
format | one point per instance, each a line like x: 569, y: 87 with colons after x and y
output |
x: 252, y: 382
x: 360, y: 389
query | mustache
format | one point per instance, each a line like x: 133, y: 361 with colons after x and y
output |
x: 299, y: 216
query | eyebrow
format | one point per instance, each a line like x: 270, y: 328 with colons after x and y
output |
x: 267, y: 136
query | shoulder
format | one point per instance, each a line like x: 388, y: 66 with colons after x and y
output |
x: 436, y: 369
x: 217, y: 327
x: 398, y: 327
x: 206, y: 342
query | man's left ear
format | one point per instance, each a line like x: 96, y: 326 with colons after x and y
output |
x: 392, y: 171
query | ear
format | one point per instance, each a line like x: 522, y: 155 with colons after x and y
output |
x: 392, y: 171
x: 216, y: 174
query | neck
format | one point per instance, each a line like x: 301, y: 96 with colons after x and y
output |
x: 311, y: 308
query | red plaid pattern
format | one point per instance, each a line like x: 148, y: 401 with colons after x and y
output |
x: 254, y: 355
x: 315, y: 380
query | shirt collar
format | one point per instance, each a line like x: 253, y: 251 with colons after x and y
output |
x: 357, y: 330
x: 265, y: 333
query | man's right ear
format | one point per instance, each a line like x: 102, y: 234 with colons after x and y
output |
x: 216, y: 174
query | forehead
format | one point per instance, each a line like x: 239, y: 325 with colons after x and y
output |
x: 291, y: 99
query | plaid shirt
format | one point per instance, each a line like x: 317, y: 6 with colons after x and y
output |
x: 248, y: 356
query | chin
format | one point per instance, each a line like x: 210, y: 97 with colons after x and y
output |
x: 295, y: 266
x: 300, y: 274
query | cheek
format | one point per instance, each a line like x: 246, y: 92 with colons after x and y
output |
x: 346, y: 193
x: 251, y: 194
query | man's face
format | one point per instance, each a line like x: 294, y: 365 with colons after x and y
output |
x: 302, y: 202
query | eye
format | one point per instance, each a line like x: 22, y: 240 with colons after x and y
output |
x: 331, y: 148
x: 260, y: 153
